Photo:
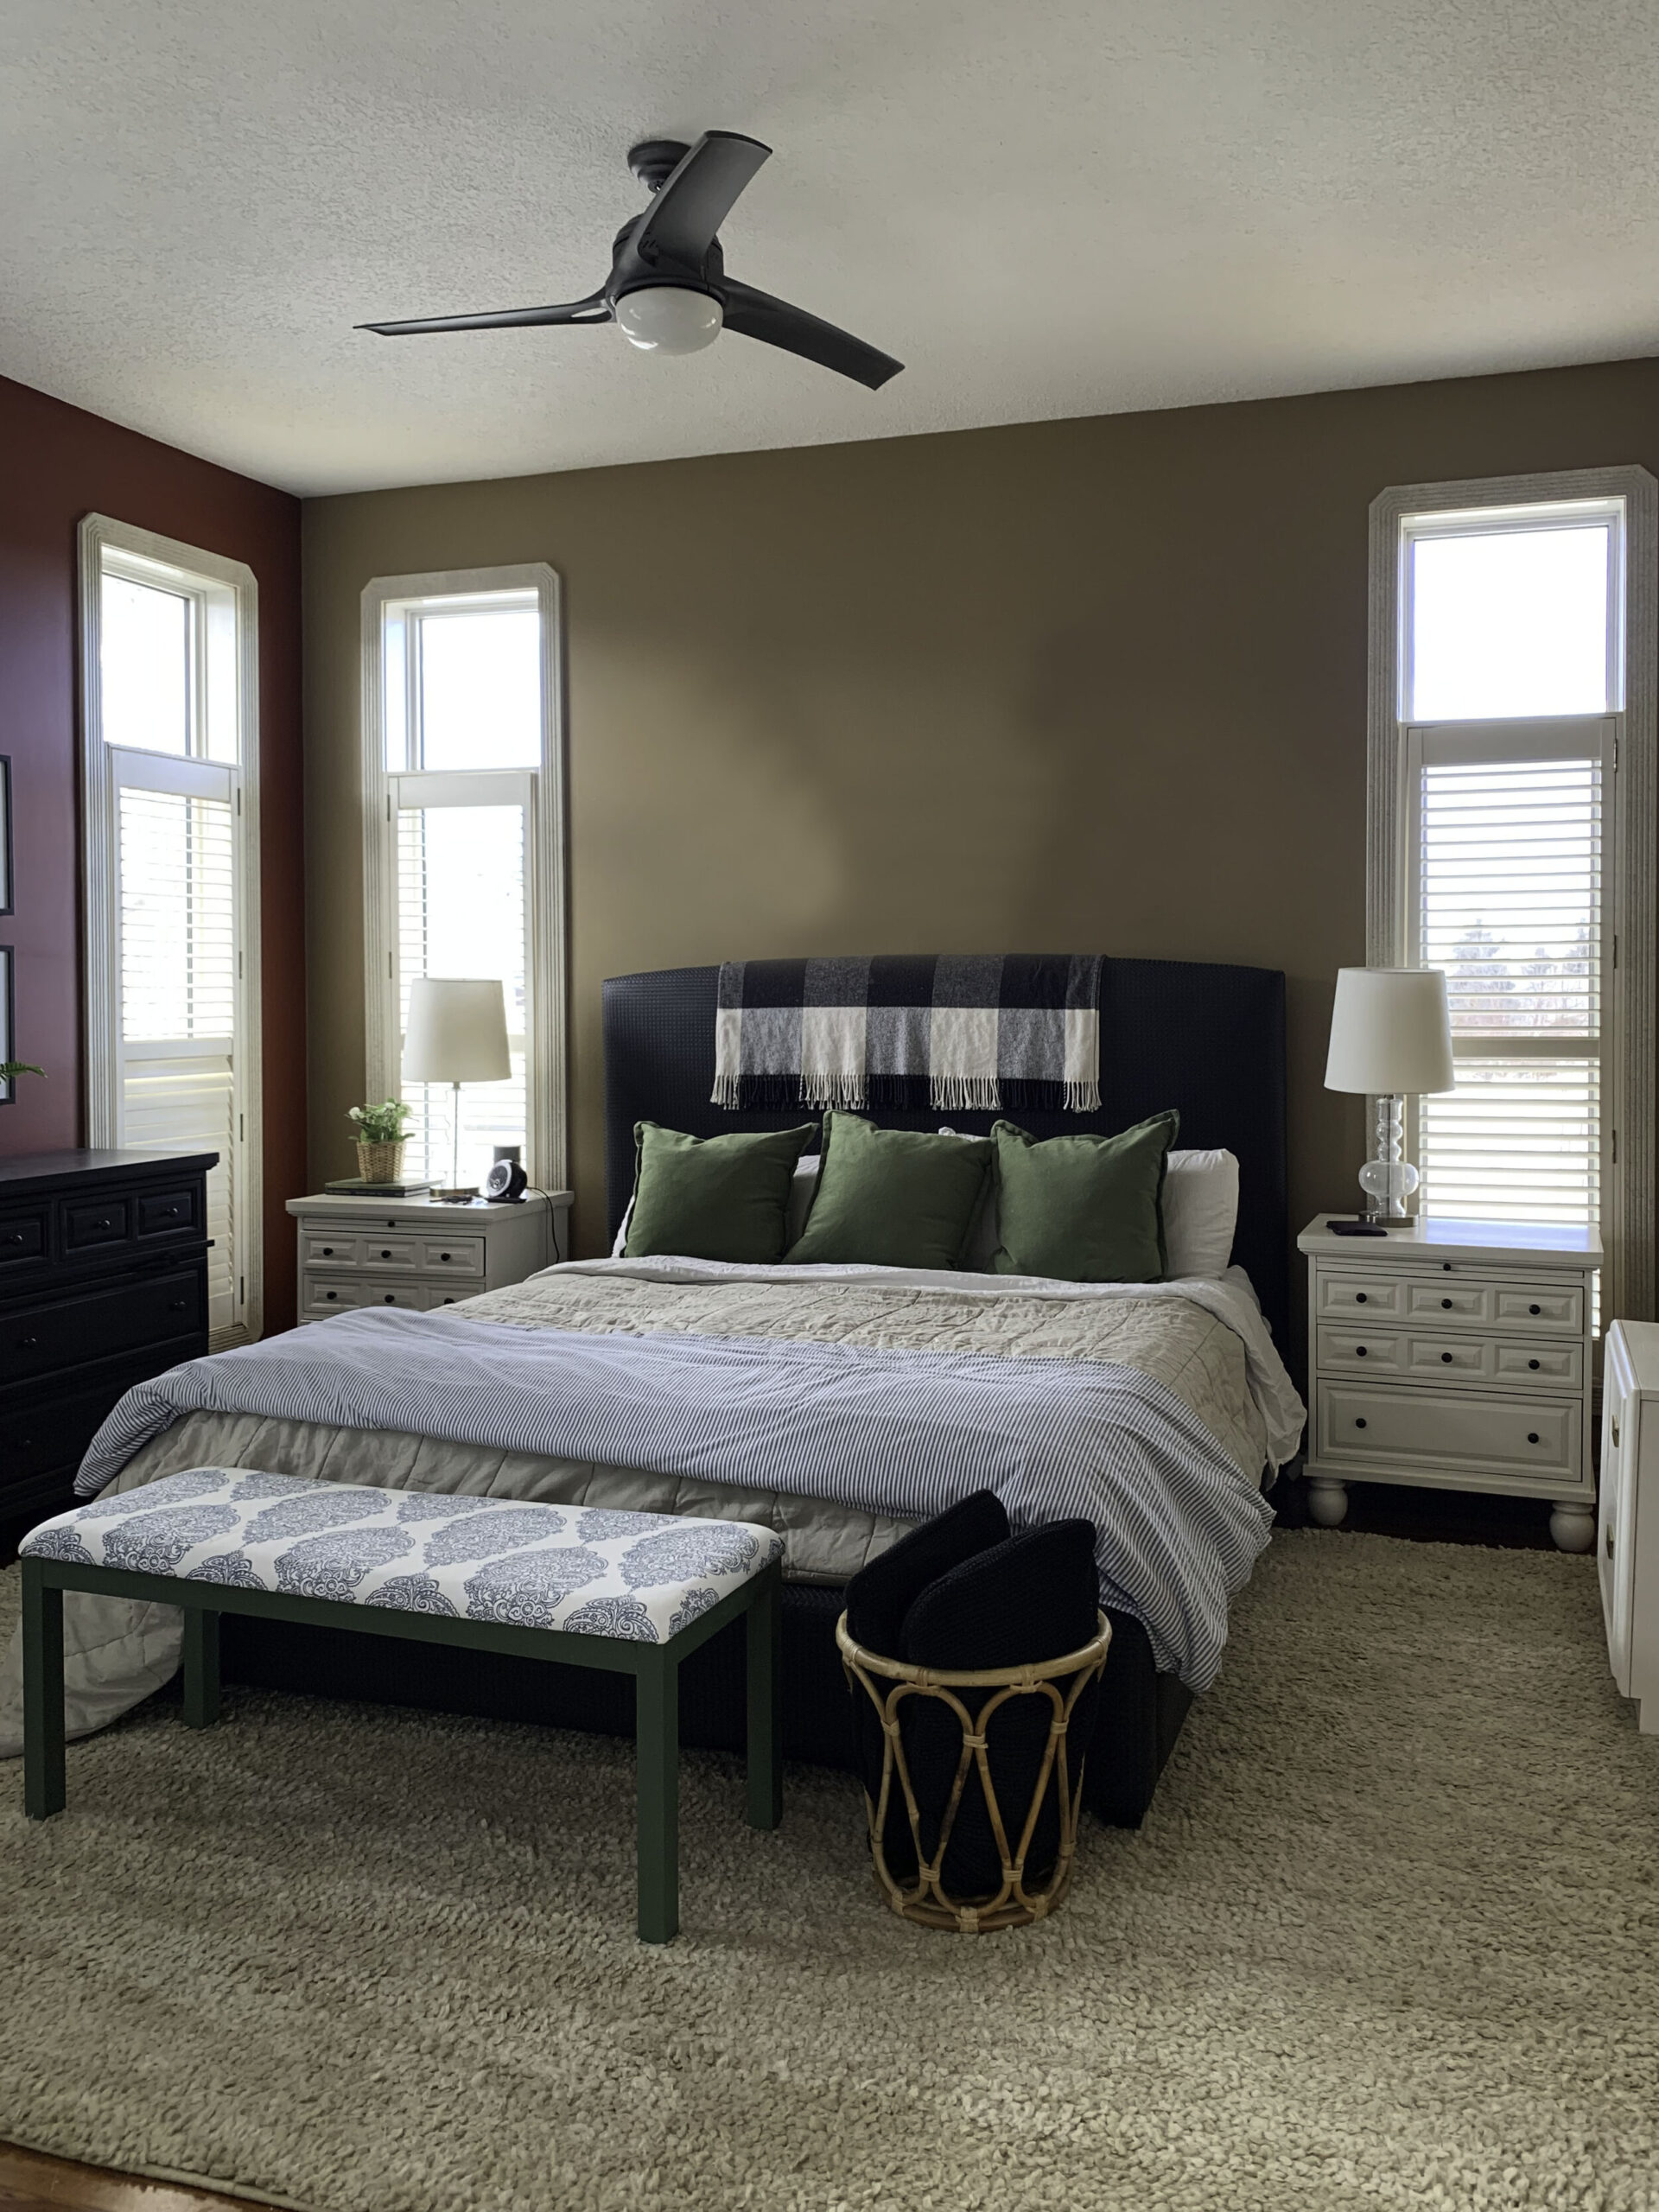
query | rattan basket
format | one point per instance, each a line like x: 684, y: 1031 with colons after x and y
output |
x: 888, y: 1683
x: 381, y: 1163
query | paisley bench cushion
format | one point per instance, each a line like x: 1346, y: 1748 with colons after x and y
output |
x: 591, y: 1569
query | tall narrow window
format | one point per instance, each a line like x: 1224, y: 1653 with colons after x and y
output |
x: 463, y: 848
x: 169, y: 663
x: 1512, y: 735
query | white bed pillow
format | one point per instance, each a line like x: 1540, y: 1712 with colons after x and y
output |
x: 801, y: 1188
x: 1200, y: 1212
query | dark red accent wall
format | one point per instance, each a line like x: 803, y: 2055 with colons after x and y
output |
x: 57, y: 464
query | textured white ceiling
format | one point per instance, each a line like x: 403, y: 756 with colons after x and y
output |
x: 1043, y: 207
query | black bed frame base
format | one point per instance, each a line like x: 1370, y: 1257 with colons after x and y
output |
x: 1137, y: 1726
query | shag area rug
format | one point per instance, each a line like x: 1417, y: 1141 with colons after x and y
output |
x: 1390, y: 1937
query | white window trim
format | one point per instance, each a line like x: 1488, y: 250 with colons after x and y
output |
x: 545, y: 1063
x: 101, y: 924
x: 1631, y: 848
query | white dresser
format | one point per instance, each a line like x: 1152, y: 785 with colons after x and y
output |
x: 418, y: 1253
x: 1627, y: 1542
x: 1456, y: 1355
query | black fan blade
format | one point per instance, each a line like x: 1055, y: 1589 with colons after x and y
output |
x: 680, y: 222
x: 757, y: 315
x: 595, y: 308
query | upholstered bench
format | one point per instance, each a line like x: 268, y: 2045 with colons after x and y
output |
x: 636, y: 1593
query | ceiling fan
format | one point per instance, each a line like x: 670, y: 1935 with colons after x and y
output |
x: 668, y: 290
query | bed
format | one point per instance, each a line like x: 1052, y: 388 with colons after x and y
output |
x: 1159, y: 1408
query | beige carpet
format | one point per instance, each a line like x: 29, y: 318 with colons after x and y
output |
x: 1390, y: 1938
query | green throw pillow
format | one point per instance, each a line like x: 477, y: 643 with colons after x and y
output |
x: 1084, y: 1208
x: 894, y: 1197
x: 713, y: 1198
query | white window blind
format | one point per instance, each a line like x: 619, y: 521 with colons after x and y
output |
x: 460, y: 912
x: 176, y: 896
x: 171, y: 870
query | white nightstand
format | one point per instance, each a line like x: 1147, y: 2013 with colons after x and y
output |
x: 418, y: 1253
x: 1455, y: 1355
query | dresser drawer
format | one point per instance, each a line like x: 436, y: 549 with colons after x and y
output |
x: 1362, y: 1350
x: 104, y: 1322
x: 1396, y: 1427
x: 88, y: 1222
x: 321, y: 1295
x: 45, y: 1425
x: 453, y: 1255
x: 1350, y: 1295
x: 23, y: 1236
x: 332, y: 1248
x: 169, y: 1213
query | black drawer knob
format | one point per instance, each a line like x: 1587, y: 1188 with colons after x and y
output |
x: 1445, y: 1359
x: 444, y: 1256
x: 1360, y: 1423
x: 100, y: 1224
x: 1535, y: 1309
x: 178, y: 1304
x: 333, y: 1294
x: 1447, y: 1304
x: 391, y: 1298
x: 327, y: 1251
x: 1533, y: 1437
x: 28, y: 1344
x: 1359, y: 1298
x: 385, y: 1252
x: 1533, y: 1364
x: 1359, y: 1351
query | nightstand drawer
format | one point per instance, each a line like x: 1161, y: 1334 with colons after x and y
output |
x: 1452, y: 1359
x: 1451, y: 1301
x: 1351, y: 1295
x: 332, y: 1248
x: 1541, y: 1366
x: 322, y: 1295
x: 1361, y: 1351
x: 452, y: 1255
x: 1449, y: 1433
x: 1541, y: 1308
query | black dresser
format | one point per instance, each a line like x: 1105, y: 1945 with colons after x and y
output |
x: 103, y: 1283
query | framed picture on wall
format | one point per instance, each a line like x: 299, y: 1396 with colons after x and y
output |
x: 8, y: 1024
x: 5, y: 837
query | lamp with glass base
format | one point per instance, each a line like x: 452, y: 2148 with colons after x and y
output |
x: 1390, y: 1038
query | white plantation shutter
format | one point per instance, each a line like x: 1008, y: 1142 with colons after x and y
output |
x: 1507, y: 897
x: 176, y: 1000
x: 462, y: 852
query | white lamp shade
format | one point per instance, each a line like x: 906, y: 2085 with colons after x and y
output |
x: 1390, y: 1032
x: 668, y: 318
x: 457, y: 1031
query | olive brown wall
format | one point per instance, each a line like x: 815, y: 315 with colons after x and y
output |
x: 60, y: 464
x: 1078, y: 685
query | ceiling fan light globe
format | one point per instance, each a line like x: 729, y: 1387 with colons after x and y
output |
x: 669, y: 319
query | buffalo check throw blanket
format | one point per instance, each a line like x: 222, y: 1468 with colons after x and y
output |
x: 980, y: 1033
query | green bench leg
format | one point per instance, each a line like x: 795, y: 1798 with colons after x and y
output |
x: 201, y: 1667
x: 765, y: 1743
x: 657, y: 1739
x: 43, y: 1786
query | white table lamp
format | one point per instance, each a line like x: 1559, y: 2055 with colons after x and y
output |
x: 1390, y: 1036
x: 457, y: 1034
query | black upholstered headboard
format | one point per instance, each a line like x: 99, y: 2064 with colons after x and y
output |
x: 1209, y: 1039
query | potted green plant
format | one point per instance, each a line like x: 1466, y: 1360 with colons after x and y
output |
x: 10, y: 1070
x: 380, y: 1140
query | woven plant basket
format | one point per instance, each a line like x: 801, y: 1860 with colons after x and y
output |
x: 380, y: 1163
x: 888, y: 1683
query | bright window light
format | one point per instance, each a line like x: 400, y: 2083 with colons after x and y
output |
x: 144, y: 666
x: 480, y: 689
x: 1509, y: 623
